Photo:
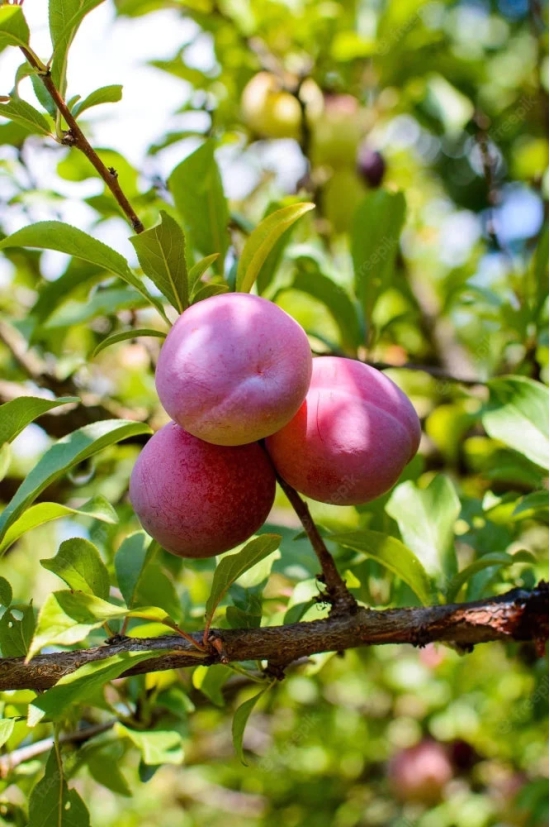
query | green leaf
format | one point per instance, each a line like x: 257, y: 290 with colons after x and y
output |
x: 124, y: 335
x: 106, y: 94
x: 262, y: 240
x: 84, y: 683
x: 233, y: 565
x: 199, y: 269
x: 55, y: 235
x: 392, y: 554
x: 207, y: 290
x: 42, y: 513
x: 65, y: 16
x: 426, y: 519
x: 517, y: 414
x: 105, y: 771
x: 18, y: 413
x: 5, y: 459
x: 21, y: 112
x: 6, y: 593
x: 161, y: 254
x: 64, y: 455
x: 309, y: 279
x: 240, y: 720
x: 156, y: 746
x: 52, y: 804
x: 14, y: 30
x: 532, y: 505
x: 210, y: 680
x: 376, y: 228
x: 68, y: 617
x: 16, y: 631
x: 135, y: 552
x: 495, y: 558
x: 6, y: 729
x: 78, y: 562
x: 197, y: 188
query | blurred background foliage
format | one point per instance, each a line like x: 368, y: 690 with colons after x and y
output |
x: 445, y: 102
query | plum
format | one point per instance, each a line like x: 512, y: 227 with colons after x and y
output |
x: 233, y: 369
x: 198, y: 499
x: 352, y: 436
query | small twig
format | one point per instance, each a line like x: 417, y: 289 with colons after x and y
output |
x: 75, y: 137
x: 342, y: 601
x: 19, y: 756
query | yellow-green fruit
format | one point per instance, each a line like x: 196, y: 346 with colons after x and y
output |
x: 336, y: 133
x: 340, y: 197
x: 271, y: 112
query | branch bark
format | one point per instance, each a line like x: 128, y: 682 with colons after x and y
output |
x: 518, y: 615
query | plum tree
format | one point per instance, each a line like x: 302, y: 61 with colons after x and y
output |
x: 198, y: 499
x: 272, y: 112
x: 352, y: 436
x: 419, y: 773
x: 233, y: 369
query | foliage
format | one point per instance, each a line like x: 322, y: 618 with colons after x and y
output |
x: 439, y: 277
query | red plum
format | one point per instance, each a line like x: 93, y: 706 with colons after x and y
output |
x: 198, y: 499
x: 352, y: 436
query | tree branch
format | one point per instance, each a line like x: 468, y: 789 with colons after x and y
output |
x: 75, y: 137
x: 515, y: 616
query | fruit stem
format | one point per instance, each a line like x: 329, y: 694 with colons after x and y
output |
x: 340, y: 598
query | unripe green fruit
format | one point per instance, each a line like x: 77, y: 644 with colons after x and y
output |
x: 272, y: 112
x: 351, y: 438
x: 197, y: 499
x: 233, y: 369
x: 340, y: 198
x: 337, y: 132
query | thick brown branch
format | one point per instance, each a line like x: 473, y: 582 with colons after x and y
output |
x: 517, y: 615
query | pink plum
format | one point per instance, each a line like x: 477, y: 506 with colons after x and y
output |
x: 420, y: 773
x: 198, y: 499
x: 233, y: 369
x: 351, y: 438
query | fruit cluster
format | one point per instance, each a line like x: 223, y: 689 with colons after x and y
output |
x: 236, y: 369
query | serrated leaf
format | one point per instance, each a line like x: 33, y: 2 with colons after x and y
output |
x: 124, y: 335
x: 18, y: 413
x: 240, y: 720
x: 65, y: 16
x: 52, y: 804
x: 161, y: 254
x: 495, y: 558
x: 233, y: 565
x: 64, y: 455
x: 377, y: 225
x: 85, y: 682
x: 6, y: 593
x: 21, y: 112
x: 131, y: 559
x: 156, y: 746
x: 69, y: 617
x: 14, y: 30
x: 197, y: 188
x: 42, y: 513
x: 517, y: 414
x: 16, y: 631
x: 392, y: 554
x: 106, y: 94
x: 426, y: 518
x: 6, y: 729
x: 78, y: 562
x: 262, y: 240
x: 56, y: 235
